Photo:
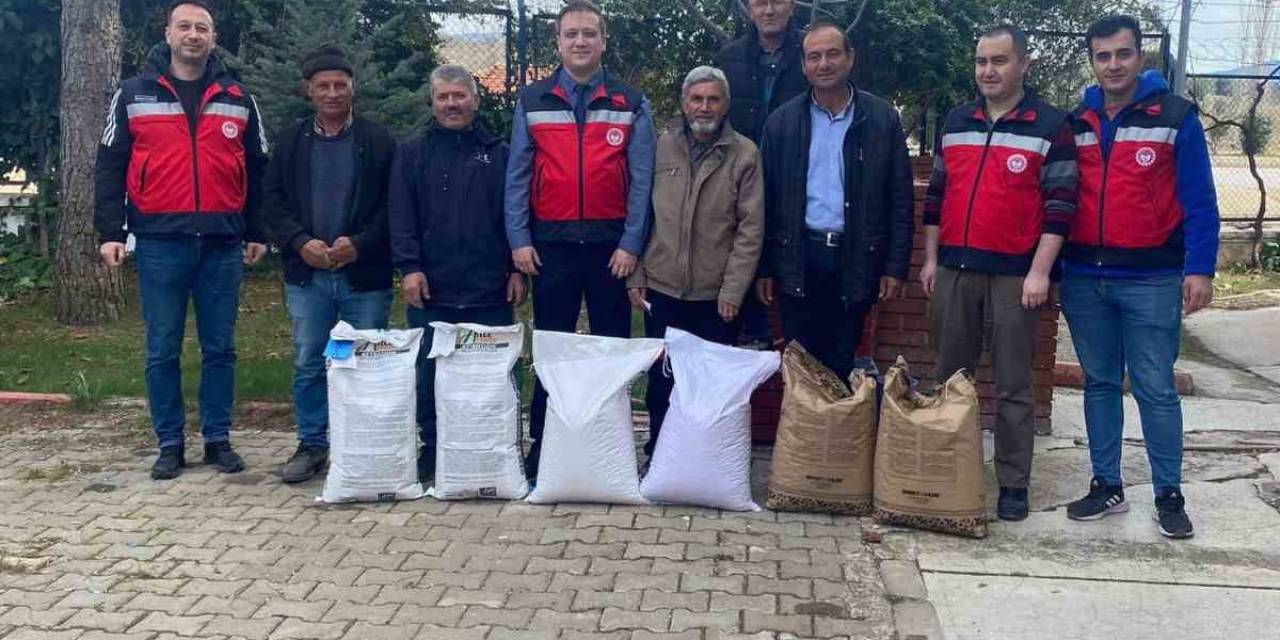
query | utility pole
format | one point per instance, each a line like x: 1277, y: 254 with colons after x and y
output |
x: 1180, y: 65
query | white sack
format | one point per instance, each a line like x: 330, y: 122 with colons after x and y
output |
x: 477, y: 412
x: 373, y: 431
x: 703, y: 454
x: 588, y: 445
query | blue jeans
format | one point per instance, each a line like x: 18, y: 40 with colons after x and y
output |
x: 1134, y: 324
x: 314, y: 309
x: 493, y: 316
x: 171, y: 272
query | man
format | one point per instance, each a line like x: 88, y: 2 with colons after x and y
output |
x: 765, y: 70
x: 326, y: 207
x: 578, y: 186
x: 764, y: 66
x: 1143, y: 248
x: 708, y: 226
x: 184, y: 141
x: 997, y: 211
x: 838, y: 205
x: 448, y: 233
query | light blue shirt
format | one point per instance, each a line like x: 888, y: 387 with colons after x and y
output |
x: 824, y: 204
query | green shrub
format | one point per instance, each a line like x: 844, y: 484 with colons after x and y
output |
x: 22, y: 270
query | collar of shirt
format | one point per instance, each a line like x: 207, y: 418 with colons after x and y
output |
x: 570, y: 85
x: 319, y: 129
x: 845, y: 111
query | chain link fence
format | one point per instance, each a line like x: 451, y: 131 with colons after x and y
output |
x: 1225, y: 99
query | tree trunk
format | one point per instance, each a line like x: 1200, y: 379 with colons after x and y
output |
x: 86, y: 291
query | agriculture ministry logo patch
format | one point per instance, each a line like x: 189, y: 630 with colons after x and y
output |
x: 1145, y: 157
x: 1017, y: 163
x: 615, y: 137
x: 230, y: 130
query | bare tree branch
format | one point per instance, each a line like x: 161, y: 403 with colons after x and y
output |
x: 1248, y: 128
x: 721, y: 35
x: 817, y: 7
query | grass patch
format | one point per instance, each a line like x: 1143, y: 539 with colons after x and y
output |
x: 1242, y: 281
x: 41, y: 355
x: 91, y: 364
x: 47, y: 474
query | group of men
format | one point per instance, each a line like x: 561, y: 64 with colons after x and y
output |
x: 781, y: 181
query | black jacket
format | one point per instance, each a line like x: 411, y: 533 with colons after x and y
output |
x: 287, y: 202
x: 740, y: 61
x: 447, y: 191
x: 878, y: 186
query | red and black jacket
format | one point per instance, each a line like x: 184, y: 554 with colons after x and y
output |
x: 581, y: 179
x: 1130, y: 215
x: 153, y: 173
x: 997, y: 187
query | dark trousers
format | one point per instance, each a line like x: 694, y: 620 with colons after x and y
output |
x: 821, y: 321
x: 699, y: 317
x: 493, y: 316
x: 961, y: 302
x: 570, y: 272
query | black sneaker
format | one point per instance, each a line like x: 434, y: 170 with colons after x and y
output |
x: 221, y: 457
x: 169, y: 464
x: 1013, y: 504
x: 426, y: 463
x: 1101, y: 501
x: 306, y: 462
x: 1171, y: 514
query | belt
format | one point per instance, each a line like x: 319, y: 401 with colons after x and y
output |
x: 826, y: 238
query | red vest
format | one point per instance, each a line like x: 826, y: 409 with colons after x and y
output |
x: 580, y: 170
x: 169, y: 172
x: 993, y: 208
x: 1129, y: 214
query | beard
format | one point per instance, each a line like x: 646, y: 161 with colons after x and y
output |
x: 704, y: 127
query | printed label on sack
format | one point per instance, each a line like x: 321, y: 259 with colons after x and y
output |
x: 472, y: 341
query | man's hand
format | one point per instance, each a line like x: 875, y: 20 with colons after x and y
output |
x: 253, y: 252
x: 1197, y: 293
x: 929, y: 277
x: 764, y: 291
x: 622, y: 264
x: 112, y: 253
x: 637, y: 297
x: 414, y: 287
x: 728, y: 311
x: 517, y: 289
x: 316, y: 254
x: 1035, y: 290
x: 526, y: 260
x: 890, y: 287
x: 342, y: 253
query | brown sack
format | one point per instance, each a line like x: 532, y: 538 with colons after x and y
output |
x: 929, y: 472
x: 823, y: 457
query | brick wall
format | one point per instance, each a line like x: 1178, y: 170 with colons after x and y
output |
x: 901, y: 327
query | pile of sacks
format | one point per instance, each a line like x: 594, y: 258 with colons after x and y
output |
x: 919, y: 464
x: 846, y: 447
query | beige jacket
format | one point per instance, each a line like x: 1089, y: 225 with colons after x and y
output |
x: 708, y: 227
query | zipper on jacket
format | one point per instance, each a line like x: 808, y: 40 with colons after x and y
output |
x: 582, y: 171
x: 968, y: 214
x: 1102, y: 193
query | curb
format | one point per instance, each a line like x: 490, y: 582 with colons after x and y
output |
x: 20, y: 398
x: 1069, y: 374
